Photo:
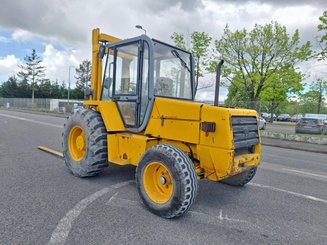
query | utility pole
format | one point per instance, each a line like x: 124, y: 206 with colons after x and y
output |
x: 69, y: 82
x: 141, y: 28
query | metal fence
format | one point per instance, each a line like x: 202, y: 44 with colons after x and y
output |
x: 62, y: 105
x: 55, y: 105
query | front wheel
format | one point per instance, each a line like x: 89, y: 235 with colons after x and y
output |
x: 85, y: 143
x: 166, y: 181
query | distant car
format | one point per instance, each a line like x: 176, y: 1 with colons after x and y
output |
x: 267, y: 116
x: 311, y: 126
x: 262, y: 123
x: 296, y: 117
x: 284, y: 118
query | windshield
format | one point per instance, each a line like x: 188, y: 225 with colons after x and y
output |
x: 172, y: 72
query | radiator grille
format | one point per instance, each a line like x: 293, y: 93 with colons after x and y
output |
x: 245, y: 131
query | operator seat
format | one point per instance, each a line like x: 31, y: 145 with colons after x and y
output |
x: 164, y: 87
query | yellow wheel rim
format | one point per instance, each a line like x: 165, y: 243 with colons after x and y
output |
x: 77, y: 143
x: 158, y: 183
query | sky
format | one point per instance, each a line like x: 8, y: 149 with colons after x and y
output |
x: 60, y: 30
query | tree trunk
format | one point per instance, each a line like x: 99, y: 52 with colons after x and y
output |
x: 33, y: 94
x: 319, y: 98
x: 272, y: 110
x: 197, y: 75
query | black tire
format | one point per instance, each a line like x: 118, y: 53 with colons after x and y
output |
x: 241, y: 179
x: 184, y: 180
x: 95, y: 156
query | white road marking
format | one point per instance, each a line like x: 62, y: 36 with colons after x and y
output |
x: 289, y: 192
x: 305, y: 173
x: 31, y: 120
x: 122, y: 202
x: 61, y: 232
x: 127, y: 203
x: 113, y: 196
x: 220, y: 217
x: 302, y: 172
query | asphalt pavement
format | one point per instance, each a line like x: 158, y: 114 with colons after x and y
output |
x: 42, y: 203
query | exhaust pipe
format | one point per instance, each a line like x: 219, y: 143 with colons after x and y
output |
x: 218, y: 71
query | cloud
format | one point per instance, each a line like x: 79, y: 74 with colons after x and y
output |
x: 8, y: 66
x: 208, y: 95
x: 280, y: 3
x: 68, y: 23
x: 314, y: 70
x: 159, y: 6
x: 4, y: 39
x: 21, y: 35
x: 57, y: 63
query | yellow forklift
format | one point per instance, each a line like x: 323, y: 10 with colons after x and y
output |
x: 140, y: 110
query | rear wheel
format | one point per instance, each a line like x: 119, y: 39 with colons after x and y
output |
x: 85, y: 143
x: 166, y: 181
x: 241, y: 179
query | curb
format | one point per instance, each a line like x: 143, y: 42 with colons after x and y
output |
x: 292, y: 147
x: 295, y: 138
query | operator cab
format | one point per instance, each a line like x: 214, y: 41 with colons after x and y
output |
x: 138, y: 70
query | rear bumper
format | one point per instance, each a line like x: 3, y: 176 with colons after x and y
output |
x: 219, y: 164
x: 309, y: 130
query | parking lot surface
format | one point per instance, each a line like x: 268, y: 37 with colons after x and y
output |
x: 42, y: 203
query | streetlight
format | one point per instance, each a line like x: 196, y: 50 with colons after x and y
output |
x: 140, y: 27
x: 69, y: 82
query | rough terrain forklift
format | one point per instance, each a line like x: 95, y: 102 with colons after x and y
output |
x: 140, y: 110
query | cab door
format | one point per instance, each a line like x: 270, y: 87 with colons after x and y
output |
x: 126, y: 76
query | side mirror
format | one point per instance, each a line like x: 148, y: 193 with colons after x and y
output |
x: 102, y: 51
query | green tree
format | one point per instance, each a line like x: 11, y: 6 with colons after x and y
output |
x: 316, y: 95
x: 24, y: 89
x: 256, y: 59
x: 44, y: 89
x: 200, y: 42
x: 309, y: 101
x: 9, y: 88
x: 280, y: 87
x: 322, y: 28
x: 179, y: 40
x: 58, y: 91
x: 32, y: 70
x: 77, y: 94
x: 83, y: 75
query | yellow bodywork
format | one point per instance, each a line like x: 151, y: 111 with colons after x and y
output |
x: 177, y: 123
x: 174, y: 122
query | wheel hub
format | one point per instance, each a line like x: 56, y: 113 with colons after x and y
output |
x: 76, y: 143
x: 158, y: 183
x: 80, y: 142
x: 162, y: 180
